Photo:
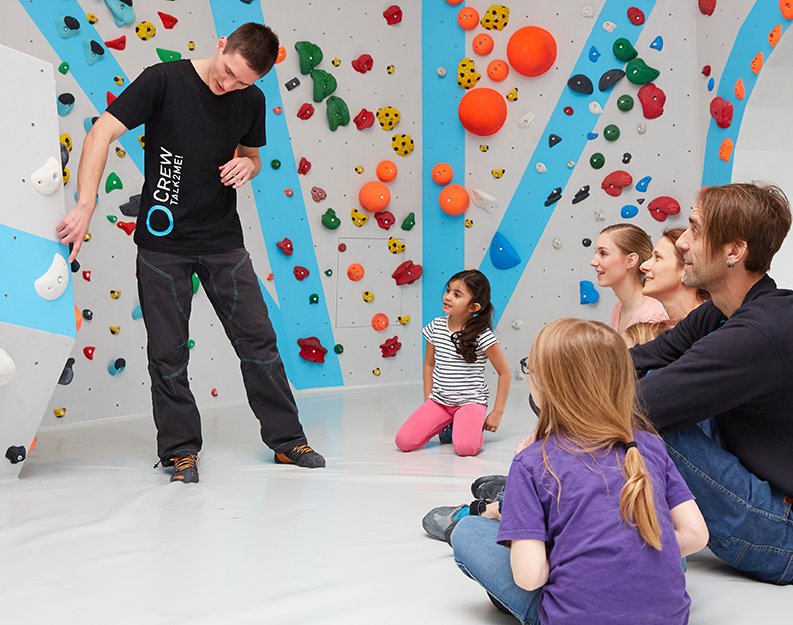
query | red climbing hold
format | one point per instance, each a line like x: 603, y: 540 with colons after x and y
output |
x: 364, y: 119
x: 706, y: 7
x: 126, y: 226
x: 117, y: 44
x: 301, y: 273
x: 363, y: 63
x: 568, y: 110
x: 88, y: 351
x: 318, y: 194
x: 87, y: 275
x: 635, y: 16
x: 214, y: 392
x: 109, y: 97
x: 305, y: 111
x: 407, y: 273
x: 706, y: 70
x: 391, y: 346
x: 392, y: 15
x: 721, y: 110
x: 653, y: 99
x: 168, y: 21
x: 385, y: 219
x: 661, y: 207
x: 615, y: 182
x: 304, y: 166
x: 285, y: 246
x: 311, y: 349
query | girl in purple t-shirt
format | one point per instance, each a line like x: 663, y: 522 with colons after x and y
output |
x: 595, y: 516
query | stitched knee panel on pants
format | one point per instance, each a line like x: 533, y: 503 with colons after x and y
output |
x: 765, y: 562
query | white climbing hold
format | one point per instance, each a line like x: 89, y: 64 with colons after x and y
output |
x: 595, y: 108
x: 557, y: 244
x: 7, y: 368
x: 570, y: 164
x: 441, y: 71
x: 541, y: 168
x: 609, y: 27
x: 484, y: 200
x: 587, y: 11
x: 48, y: 178
x: 527, y: 120
x: 54, y: 281
x: 641, y: 128
x: 517, y: 324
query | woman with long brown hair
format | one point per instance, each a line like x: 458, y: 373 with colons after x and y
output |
x: 595, y: 513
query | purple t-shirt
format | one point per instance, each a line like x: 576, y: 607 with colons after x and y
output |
x: 601, y: 571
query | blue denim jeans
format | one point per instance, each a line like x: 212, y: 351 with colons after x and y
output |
x: 749, y: 521
x: 486, y: 562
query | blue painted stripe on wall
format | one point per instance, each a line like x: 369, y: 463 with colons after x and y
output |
x: 281, y: 216
x: 19, y: 303
x: 442, y: 140
x: 526, y: 217
x: 95, y: 80
x: 751, y: 39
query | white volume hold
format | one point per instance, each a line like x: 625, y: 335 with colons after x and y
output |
x: 7, y: 368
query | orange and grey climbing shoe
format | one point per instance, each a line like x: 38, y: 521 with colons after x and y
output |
x: 185, y: 468
x: 302, y: 456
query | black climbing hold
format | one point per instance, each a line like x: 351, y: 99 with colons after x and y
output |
x: 64, y: 155
x: 626, y: 158
x: 75, y: 266
x: 88, y: 314
x: 131, y: 208
x: 96, y: 48
x: 292, y: 83
x: 610, y: 78
x: 586, y: 242
x: 581, y: 194
x: 71, y: 23
x: 553, y: 140
x: 640, y: 200
x: 15, y: 454
x: 67, y: 375
x: 66, y: 99
x: 554, y: 196
x: 580, y: 84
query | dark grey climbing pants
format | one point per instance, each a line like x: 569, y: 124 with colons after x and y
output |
x: 166, y: 295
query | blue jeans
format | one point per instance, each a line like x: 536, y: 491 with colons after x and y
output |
x: 486, y: 562
x: 749, y: 521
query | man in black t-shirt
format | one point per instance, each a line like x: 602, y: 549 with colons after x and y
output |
x: 204, y: 126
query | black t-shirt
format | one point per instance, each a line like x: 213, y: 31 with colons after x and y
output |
x: 190, y: 132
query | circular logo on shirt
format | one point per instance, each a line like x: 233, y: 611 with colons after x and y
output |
x: 163, y: 223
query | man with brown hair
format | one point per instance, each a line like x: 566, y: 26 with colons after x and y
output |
x: 204, y: 126
x: 721, y: 382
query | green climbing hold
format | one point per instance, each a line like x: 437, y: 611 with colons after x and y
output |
x: 324, y: 84
x: 196, y: 283
x: 624, y: 50
x: 329, y: 219
x: 329, y: 272
x: 168, y: 55
x: 597, y: 160
x: 113, y: 182
x: 611, y: 132
x: 338, y: 113
x: 190, y: 344
x: 275, y: 164
x: 639, y: 73
x: 313, y: 298
x: 338, y: 348
x: 63, y: 68
x: 625, y: 102
x: 112, y: 219
x: 310, y: 56
x: 409, y: 222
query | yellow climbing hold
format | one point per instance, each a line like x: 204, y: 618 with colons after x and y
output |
x: 358, y: 218
x: 467, y: 76
x: 402, y: 144
x: 497, y: 173
x: 145, y: 30
x: 388, y: 117
x: 512, y: 94
x: 495, y: 18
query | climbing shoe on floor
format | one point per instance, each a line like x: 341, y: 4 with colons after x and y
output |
x: 185, y: 469
x: 302, y: 456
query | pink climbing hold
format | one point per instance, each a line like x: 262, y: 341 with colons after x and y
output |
x: 318, y: 194
x: 721, y: 110
x: 615, y: 182
x: 653, y: 99
x: 311, y: 349
x: 661, y: 207
x: 635, y: 16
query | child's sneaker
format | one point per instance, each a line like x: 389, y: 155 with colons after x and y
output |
x: 445, y: 435
x: 302, y: 456
x: 488, y: 486
x: 185, y: 469
x: 439, y: 522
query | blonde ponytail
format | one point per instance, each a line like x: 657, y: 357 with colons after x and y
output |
x: 637, y: 505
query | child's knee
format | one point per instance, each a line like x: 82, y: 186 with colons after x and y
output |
x: 405, y: 442
x: 467, y: 447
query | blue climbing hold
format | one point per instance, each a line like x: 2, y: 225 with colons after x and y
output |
x: 594, y: 54
x: 711, y: 84
x: 591, y: 136
x: 658, y: 43
x: 588, y: 292
x: 65, y: 104
x: 502, y: 254
x: 88, y: 123
x: 122, y: 11
x: 628, y: 211
x: 137, y: 313
x: 117, y: 366
x: 67, y: 26
x: 93, y: 51
x: 642, y: 185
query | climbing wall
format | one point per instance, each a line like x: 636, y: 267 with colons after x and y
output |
x: 37, y: 316
x: 404, y: 144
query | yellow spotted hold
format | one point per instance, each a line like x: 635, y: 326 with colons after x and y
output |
x: 115, y: 330
x: 495, y: 18
x: 376, y: 371
x: 191, y: 45
x: 483, y: 147
x: 512, y: 94
x: 59, y: 412
x: 395, y: 246
x: 91, y: 18
x: 467, y: 76
x: 359, y: 169
x: 497, y: 173
x: 390, y: 69
x: 368, y: 297
x: 66, y: 175
x: 87, y: 237
x: 336, y: 61
x: 66, y: 140
x: 145, y: 30
x: 402, y: 144
x: 119, y: 80
x: 388, y: 117
x: 121, y: 152
x: 142, y: 141
x: 469, y: 223
x: 403, y: 319
x: 358, y: 218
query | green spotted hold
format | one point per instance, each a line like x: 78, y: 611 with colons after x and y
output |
x: 310, y: 56
x: 338, y: 113
x: 639, y: 73
x: 324, y: 84
x: 624, y: 50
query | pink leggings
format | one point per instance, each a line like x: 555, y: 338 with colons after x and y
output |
x: 431, y: 417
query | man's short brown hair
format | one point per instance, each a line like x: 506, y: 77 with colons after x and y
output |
x: 255, y: 43
x: 756, y: 213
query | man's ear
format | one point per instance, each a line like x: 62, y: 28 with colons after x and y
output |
x: 221, y: 44
x: 737, y: 251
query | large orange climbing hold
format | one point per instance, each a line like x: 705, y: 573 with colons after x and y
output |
x: 78, y: 318
x: 454, y: 199
x: 739, y: 89
x: 468, y: 18
x: 374, y: 196
x: 482, y: 111
x: 531, y: 50
x: 775, y: 35
x: 725, y: 151
x: 786, y: 8
x: 757, y: 63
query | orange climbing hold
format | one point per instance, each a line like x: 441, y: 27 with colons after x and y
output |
x: 442, y: 173
x: 739, y: 89
x: 725, y: 151
x: 454, y: 199
x: 483, y: 44
x: 482, y: 111
x: 386, y: 171
x: 78, y: 318
x: 374, y: 196
x: 468, y: 18
x: 775, y: 35
x: 498, y: 70
x: 531, y: 50
x: 379, y: 322
x: 757, y: 63
x: 281, y: 55
x: 355, y: 272
x: 786, y: 8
